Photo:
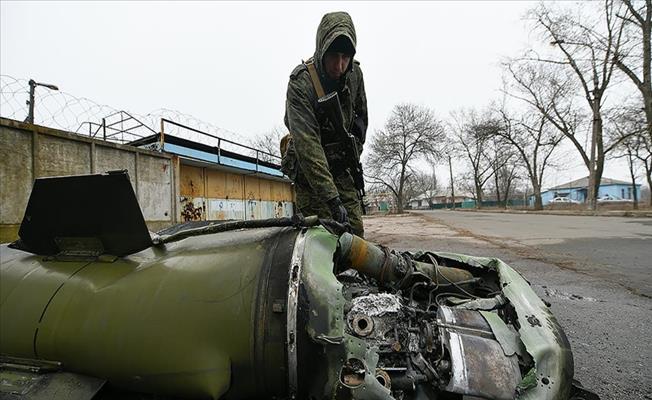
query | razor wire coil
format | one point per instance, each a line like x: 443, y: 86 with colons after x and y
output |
x: 64, y: 111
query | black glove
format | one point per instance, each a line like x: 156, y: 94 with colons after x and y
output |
x: 338, y: 212
x: 359, y: 129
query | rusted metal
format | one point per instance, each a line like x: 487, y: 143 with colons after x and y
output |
x: 192, y: 209
x: 387, y: 267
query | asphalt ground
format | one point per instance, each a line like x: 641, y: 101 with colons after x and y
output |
x: 595, y: 271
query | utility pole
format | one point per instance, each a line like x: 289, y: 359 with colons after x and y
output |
x: 32, y: 89
x: 450, y: 168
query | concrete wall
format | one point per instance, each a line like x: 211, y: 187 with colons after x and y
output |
x: 28, y: 152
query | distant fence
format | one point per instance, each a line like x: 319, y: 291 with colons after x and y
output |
x: 493, y: 203
x: 446, y: 205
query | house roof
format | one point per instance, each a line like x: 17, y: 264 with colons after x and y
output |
x: 584, y: 182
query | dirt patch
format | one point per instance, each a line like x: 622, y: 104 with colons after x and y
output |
x: 409, y: 231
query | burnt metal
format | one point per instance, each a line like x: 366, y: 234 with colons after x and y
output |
x: 465, y: 320
x: 97, y: 209
x: 384, y: 378
x: 362, y: 325
x: 294, y: 280
x: 269, y: 317
x: 479, y: 366
x: 533, y: 320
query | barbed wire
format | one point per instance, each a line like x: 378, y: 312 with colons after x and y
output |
x: 62, y: 110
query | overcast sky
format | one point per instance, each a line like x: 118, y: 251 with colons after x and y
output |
x: 228, y: 63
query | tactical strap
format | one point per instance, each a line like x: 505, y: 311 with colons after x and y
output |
x: 314, y: 77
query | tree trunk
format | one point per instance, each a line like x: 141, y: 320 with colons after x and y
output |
x: 648, y: 177
x: 594, y: 163
x: 538, y: 201
x: 598, y: 178
x: 450, y: 167
x: 630, y: 164
x: 478, y: 196
x: 509, y: 184
x: 399, y: 200
x: 497, y: 183
x: 536, y: 191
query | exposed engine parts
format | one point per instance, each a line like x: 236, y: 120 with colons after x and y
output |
x: 432, y: 326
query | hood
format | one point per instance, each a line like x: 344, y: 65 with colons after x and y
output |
x: 331, y: 26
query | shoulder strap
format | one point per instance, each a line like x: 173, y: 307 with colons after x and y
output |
x: 314, y: 77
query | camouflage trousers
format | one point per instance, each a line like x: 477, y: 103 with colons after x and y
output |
x: 309, y: 203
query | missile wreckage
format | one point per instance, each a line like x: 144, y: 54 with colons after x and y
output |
x: 94, y: 306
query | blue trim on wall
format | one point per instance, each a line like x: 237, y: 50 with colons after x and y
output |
x: 227, y: 161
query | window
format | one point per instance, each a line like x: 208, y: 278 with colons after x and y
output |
x: 629, y: 192
x: 622, y: 193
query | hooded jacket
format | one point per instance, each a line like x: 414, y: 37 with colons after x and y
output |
x: 309, y: 130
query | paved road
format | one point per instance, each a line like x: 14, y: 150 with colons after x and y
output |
x: 617, y: 249
x: 591, y: 269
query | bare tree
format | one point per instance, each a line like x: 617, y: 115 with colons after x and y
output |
x: 269, y: 144
x: 505, y: 177
x: 424, y: 183
x: 629, y: 124
x: 634, y: 55
x: 504, y: 165
x: 534, y: 139
x: 474, y: 135
x: 587, y: 45
x: 410, y: 133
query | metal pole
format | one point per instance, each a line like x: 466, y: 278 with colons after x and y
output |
x: 219, y: 142
x: 104, y: 128
x: 30, y: 102
x: 162, y: 142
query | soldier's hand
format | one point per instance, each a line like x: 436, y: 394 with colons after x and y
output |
x: 338, y: 212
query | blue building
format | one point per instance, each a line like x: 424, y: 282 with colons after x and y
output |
x: 577, y: 190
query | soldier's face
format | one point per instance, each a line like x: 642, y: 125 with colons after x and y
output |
x: 336, y: 64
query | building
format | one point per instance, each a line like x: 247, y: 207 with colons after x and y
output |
x: 577, y: 190
x: 436, y: 199
x: 379, y: 202
x: 174, y: 179
x: 224, y: 179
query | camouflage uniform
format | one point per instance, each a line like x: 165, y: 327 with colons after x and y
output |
x: 312, y: 159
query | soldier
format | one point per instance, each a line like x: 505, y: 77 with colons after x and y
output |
x: 313, y: 156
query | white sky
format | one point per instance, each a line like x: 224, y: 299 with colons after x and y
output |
x: 228, y: 63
